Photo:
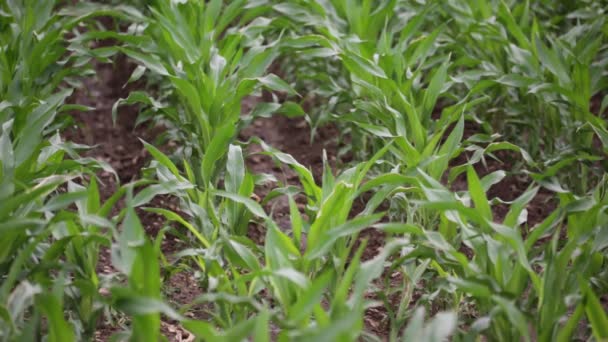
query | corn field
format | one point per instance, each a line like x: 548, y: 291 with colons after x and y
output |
x: 304, y: 170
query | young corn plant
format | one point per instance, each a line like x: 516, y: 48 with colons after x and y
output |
x: 573, y: 81
x: 210, y: 57
x: 513, y: 277
x: 395, y: 95
x: 34, y: 61
x: 329, y: 207
x: 305, y: 308
x: 317, y: 30
x: 535, y: 68
x: 401, y: 86
x: 52, y: 231
x: 52, y: 227
x: 137, y: 258
x: 220, y: 250
x: 213, y: 55
x: 297, y: 270
x: 41, y: 232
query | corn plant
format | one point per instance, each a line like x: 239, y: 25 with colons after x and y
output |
x: 505, y: 264
x: 52, y: 227
x: 404, y: 92
x: 551, y: 74
x: 296, y: 269
x: 390, y: 99
x: 135, y: 256
x: 210, y: 66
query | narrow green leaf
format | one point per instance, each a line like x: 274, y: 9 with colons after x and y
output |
x: 478, y: 194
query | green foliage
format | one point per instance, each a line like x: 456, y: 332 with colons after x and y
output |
x: 209, y: 68
x: 435, y: 116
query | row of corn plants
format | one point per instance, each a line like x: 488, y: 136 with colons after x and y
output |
x: 404, y: 92
x: 53, y: 224
x: 394, y: 99
x: 298, y: 284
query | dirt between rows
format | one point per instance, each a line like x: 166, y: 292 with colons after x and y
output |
x: 119, y: 145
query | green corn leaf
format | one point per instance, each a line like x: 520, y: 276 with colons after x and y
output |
x: 134, y: 304
x: 350, y: 228
x: 551, y: 61
x: 216, y: 150
x: 596, y: 314
x: 565, y: 334
x: 59, y: 329
x: 8, y: 205
x: 313, y: 191
x: 296, y: 221
x: 511, y: 25
x: 261, y: 332
x: 516, y: 317
x: 63, y: 200
x: 171, y: 216
x: 149, y: 61
x: 145, y: 280
x: 328, y: 212
x: 513, y: 216
x: 491, y: 179
x: 161, y: 158
x: 310, y: 297
x: 273, y: 82
x: 243, y: 256
x: 362, y: 67
x: 236, y: 169
x: 433, y: 91
x: 478, y: 194
x: 131, y: 237
x: 293, y: 276
x: 163, y: 188
x: 252, y: 205
x: 135, y: 97
x: 346, y: 280
x: 202, y: 330
x: 93, y: 197
x: 190, y: 93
